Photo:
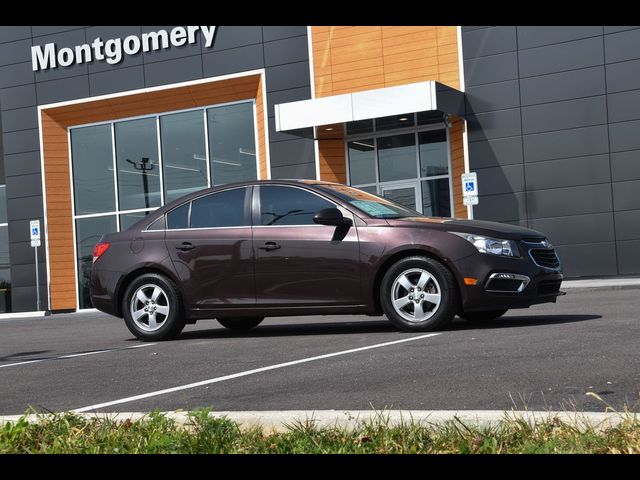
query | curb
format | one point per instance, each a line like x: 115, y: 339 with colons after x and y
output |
x: 279, y: 421
x: 609, y: 284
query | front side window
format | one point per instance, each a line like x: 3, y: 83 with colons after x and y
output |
x: 281, y: 205
x: 222, y: 209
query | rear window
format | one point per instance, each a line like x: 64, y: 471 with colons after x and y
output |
x: 178, y: 217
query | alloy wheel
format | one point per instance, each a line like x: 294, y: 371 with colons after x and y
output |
x: 149, y: 307
x: 416, y: 295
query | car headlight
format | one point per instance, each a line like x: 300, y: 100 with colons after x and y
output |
x: 493, y: 246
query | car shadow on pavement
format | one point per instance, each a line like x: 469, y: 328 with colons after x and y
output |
x: 295, y: 329
x: 379, y: 325
x: 511, y: 321
x: 21, y: 355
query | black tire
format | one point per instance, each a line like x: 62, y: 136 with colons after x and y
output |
x: 239, y: 324
x: 449, y: 296
x: 172, y: 324
x: 482, y: 316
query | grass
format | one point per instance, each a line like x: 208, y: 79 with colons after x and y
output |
x: 202, y: 433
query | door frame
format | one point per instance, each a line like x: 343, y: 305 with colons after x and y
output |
x: 397, y: 185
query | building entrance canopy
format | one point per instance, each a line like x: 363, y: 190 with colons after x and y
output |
x: 369, y: 104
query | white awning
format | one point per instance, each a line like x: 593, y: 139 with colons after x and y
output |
x: 381, y: 102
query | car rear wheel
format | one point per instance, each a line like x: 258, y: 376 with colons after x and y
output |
x: 482, y: 316
x: 419, y: 294
x: 240, y: 323
x: 152, y: 308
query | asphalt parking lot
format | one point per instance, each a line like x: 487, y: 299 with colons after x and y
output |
x: 547, y: 357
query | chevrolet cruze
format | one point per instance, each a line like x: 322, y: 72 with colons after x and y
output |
x: 241, y: 252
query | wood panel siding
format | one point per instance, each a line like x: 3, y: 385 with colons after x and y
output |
x: 333, y: 167
x: 457, y: 167
x: 56, y: 121
x: 348, y: 59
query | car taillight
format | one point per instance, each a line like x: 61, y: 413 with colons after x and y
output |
x: 99, y: 249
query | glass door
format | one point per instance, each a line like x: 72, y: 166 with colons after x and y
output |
x: 405, y: 193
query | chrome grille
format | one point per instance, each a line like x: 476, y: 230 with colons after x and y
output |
x: 545, y: 258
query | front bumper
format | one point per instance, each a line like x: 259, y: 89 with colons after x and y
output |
x: 543, y: 285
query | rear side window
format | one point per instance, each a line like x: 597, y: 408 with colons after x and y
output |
x: 158, y: 224
x: 178, y: 217
x: 223, y: 209
x: 289, y: 206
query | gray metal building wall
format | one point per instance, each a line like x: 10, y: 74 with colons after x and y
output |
x: 554, y: 134
x: 282, y: 51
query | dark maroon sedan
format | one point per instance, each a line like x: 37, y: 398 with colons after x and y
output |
x: 242, y: 252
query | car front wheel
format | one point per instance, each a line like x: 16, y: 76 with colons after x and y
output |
x: 419, y: 294
x: 152, y: 308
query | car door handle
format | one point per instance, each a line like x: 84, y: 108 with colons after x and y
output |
x: 268, y: 246
x: 186, y: 246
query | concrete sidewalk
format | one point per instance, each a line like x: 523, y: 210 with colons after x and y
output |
x: 604, y: 283
x: 281, y: 421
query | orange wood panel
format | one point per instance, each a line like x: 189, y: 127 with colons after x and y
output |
x: 427, y: 52
x: 457, y: 167
x: 55, y: 122
x: 333, y: 166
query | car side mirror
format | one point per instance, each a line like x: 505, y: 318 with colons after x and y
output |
x: 331, y: 216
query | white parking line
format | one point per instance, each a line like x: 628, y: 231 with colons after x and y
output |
x: 248, y: 372
x: 95, y: 352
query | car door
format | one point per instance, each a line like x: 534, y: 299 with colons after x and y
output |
x: 209, y: 241
x: 299, y: 262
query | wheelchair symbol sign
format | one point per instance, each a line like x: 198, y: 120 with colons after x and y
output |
x: 34, y: 229
x: 470, y: 184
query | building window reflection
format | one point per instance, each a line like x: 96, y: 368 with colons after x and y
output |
x: 124, y: 169
x: 404, y: 158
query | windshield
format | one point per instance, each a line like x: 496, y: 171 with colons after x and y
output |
x: 372, y: 205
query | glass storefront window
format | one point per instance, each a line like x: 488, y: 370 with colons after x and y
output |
x: 370, y: 189
x: 362, y: 161
x: 138, y: 166
x: 434, y: 158
x: 93, y: 181
x: 232, y: 143
x: 435, y: 198
x: 3, y: 203
x: 88, y: 233
x: 129, y: 219
x: 184, y: 155
x: 397, y: 157
x: 156, y: 159
x: 413, y: 168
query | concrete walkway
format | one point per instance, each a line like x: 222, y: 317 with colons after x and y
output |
x: 610, y: 282
x: 280, y: 421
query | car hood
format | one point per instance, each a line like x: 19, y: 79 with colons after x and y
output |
x: 478, y: 227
